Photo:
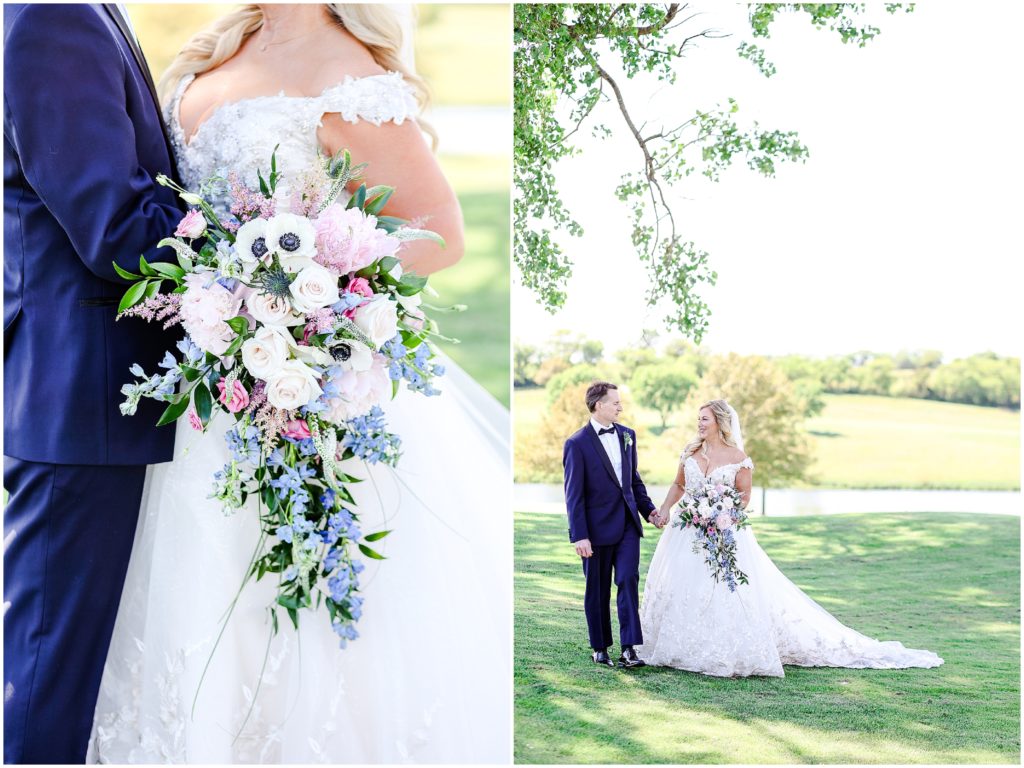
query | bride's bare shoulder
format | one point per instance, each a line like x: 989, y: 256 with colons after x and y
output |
x: 737, y: 456
x: 339, y: 57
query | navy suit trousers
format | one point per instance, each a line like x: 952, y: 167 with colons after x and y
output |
x: 68, y: 531
x: 622, y: 560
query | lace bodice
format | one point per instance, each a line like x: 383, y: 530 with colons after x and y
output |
x: 240, y: 135
x: 725, y: 474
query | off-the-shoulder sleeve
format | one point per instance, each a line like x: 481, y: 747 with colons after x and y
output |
x: 747, y: 463
x: 376, y: 99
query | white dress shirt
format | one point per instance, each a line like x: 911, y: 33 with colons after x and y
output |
x: 610, y: 442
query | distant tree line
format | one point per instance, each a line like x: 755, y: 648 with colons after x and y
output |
x: 662, y: 379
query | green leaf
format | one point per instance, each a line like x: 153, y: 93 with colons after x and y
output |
x: 376, y: 536
x: 358, y: 200
x: 263, y: 185
x: 388, y: 263
x: 173, y: 412
x: 145, y: 269
x: 239, y: 325
x: 411, y: 285
x: 169, y: 270
x: 190, y: 373
x: 376, y: 198
x: 203, y: 402
x: 371, y: 553
x: 126, y: 274
x: 269, y: 498
x: 152, y: 289
x: 132, y: 296
x: 390, y: 223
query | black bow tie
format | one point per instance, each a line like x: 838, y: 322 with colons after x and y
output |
x: 606, y: 431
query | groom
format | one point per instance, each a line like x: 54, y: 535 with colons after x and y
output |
x: 83, y: 143
x: 605, y: 497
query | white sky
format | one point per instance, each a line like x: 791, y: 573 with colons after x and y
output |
x: 902, y: 230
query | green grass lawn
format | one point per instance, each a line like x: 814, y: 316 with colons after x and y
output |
x: 481, y: 279
x: 859, y: 441
x: 947, y: 583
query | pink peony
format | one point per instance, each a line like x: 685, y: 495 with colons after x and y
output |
x: 723, y: 521
x: 204, y: 312
x: 348, y: 240
x: 194, y: 420
x: 297, y: 429
x: 236, y: 399
x: 360, y: 391
x: 192, y: 225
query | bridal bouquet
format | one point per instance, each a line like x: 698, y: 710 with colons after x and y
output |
x: 299, y: 322
x: 715, y: 512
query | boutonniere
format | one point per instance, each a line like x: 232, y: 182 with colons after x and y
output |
x: 628, y: 438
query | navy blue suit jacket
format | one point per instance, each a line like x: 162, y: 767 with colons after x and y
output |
x: 599, y: 508
x: 83, y: 143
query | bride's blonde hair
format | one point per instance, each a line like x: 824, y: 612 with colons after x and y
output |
x: 723, y: 417
x: 374, y: 25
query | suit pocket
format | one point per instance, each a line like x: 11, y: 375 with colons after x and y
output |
x: 100, y: 302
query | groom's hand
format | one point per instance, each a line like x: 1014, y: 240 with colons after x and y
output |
x: 583, y: 548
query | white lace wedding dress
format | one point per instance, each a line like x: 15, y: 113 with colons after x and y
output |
x: 429, y: 679
x: 690, y: 622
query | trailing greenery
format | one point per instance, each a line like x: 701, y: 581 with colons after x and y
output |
x: 948, y: 583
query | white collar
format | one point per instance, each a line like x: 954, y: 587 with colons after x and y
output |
x: 598, y: 426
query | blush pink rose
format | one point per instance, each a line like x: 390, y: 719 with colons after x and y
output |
x: 297, y: 429
x: 361, y: 287
x: 194, y: 420
x: 723, y: 521
x: 348, y: 239
x: 192, y: 225
x: 237, y: 399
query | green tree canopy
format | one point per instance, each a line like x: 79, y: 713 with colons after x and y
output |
x: 567, y: 60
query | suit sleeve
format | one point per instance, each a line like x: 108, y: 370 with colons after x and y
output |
x: 572, y: 462
x: 66, y: 117
x: 643, y: 502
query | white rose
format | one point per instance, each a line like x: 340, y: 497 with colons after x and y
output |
x: 727, y: 502
x: 378, y: 319
x: 314, y: 288
x: 266, y: 351
x: 251, y: 242
x: 271, y: 310
x: 293, y: 385
x: 291, y: 236
x: 704, y: 509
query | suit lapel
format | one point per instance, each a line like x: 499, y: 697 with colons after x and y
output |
x: 115, y: 13
x: 624, y: 453
x: 596, y: 443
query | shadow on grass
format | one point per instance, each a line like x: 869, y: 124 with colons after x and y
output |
x: 949, y: 583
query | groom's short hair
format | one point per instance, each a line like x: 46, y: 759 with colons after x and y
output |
x: 596, y: 391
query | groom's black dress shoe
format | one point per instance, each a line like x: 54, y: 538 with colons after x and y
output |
x: 602, y: 658
x: 629, y: 659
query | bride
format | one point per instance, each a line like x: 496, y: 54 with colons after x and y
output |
x: 188, y: 677
x: 690, y: 622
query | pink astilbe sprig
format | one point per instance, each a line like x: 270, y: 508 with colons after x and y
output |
x: 271, y: 422
x: 322, y: 320
x: 247, y: 204
x: 309, y: 193
x: 164, y: 307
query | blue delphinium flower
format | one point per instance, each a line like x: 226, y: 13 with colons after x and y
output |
x: 367, y: 437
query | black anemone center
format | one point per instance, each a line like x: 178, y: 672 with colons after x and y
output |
x: 342, y: 352
x: 259, y: 247
x: 289, y: 242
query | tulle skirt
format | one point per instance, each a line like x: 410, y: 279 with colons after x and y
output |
x: 691, y: 622
x: 429, y: 679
